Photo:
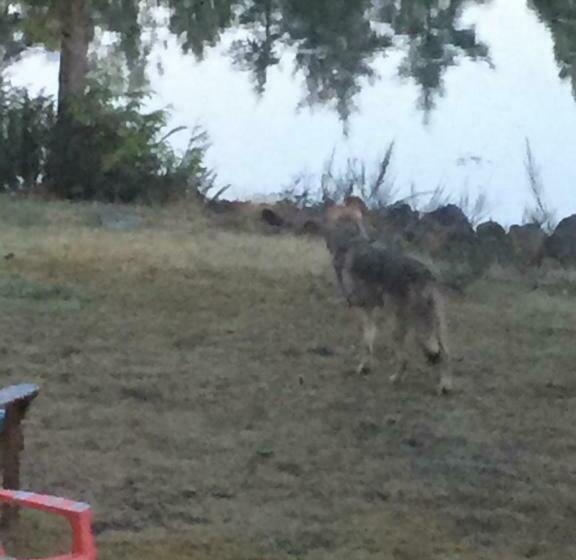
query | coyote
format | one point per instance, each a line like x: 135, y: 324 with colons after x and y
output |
x: 373, y: 276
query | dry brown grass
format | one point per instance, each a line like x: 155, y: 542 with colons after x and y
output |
x: 197, y: 390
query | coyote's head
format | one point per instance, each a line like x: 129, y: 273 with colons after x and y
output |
x: 343, y: 227
x: 347, y: 217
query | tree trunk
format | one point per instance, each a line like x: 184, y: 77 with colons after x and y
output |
x: 76, y: 34
x: 65, y: 173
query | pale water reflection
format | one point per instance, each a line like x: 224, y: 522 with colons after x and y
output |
x: 460, y: 119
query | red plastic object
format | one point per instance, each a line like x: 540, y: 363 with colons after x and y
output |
x: 77, y: 514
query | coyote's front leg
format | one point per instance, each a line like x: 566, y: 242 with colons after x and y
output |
x: 369, y: 331
x: 399, y: 337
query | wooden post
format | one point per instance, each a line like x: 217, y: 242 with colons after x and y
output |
x: 13, y: 446
x: 15, y: 400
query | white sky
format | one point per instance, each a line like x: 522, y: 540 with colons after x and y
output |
x: 258, y: 145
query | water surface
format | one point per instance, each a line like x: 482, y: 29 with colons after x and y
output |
x: 457, y: 85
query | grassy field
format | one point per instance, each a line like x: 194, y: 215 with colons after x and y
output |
x: 197, y: 390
